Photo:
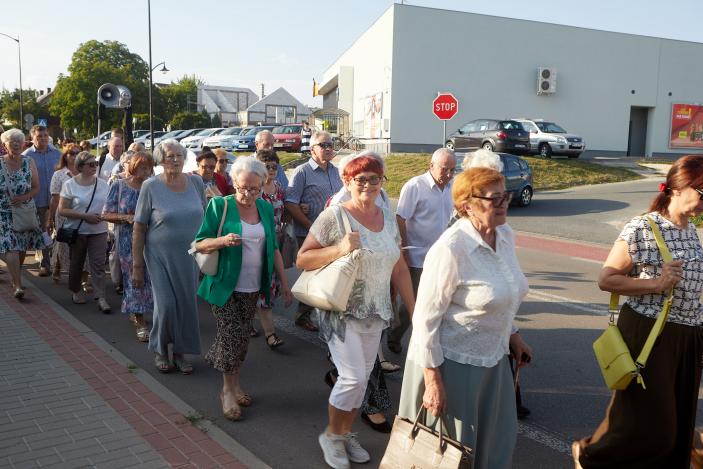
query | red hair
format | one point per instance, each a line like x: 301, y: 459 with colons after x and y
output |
x: 362, y: 164
x: 687, y: 171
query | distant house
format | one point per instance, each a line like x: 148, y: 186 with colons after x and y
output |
x: 279, y: 107
x: 227, y: 102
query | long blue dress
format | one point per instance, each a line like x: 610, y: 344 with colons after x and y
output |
x: 173, y: 219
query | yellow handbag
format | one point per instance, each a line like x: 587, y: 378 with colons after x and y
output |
x: 611, y: 351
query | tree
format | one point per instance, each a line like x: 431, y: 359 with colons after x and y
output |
x: 189, y: 120
x: 10, y: 106
x: 179, y: 96
x: 216, y: 120
x: 93, y: 64
x: 141, y: 121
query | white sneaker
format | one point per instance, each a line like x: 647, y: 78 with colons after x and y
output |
x: 354, y: 450
x: 334, y: 451
x: 103, y: 306
x: 78, y: 297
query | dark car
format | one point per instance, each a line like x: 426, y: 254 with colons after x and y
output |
x: 245, y: 142
x: 517, y: 173
x: 492, y: 134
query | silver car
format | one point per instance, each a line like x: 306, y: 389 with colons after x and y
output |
x: 548, y: 138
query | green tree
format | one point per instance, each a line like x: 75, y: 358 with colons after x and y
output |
x: 93, y: 64
x: 141, y: 122
x: 216, y: 120
x: 179, y: 96
x: 10, y: 106
x: 189, y: 120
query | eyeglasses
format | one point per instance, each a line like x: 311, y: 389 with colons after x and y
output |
x: 325, y: 145
x: 272, y: 167
x: 497, y: 201
x: 223, y: 161
x: 73, y: 153
x: 92, y: 164
x: 700, y: 192
x: 210, y: 167
x: 247, y: 190
x: 373, y: 180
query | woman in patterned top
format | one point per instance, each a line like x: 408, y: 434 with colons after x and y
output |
x: 653, y: 427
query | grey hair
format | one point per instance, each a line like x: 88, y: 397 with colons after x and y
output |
x: 82, y: 158
x: 163, y: 146
x: 318, y: 136
x: 248, y: 164
x: 440, y: 152
x: 260, y: 136
x: 12, y: 134
x: 482, y: 159
x: 349, y: 158
x: 136, y: 146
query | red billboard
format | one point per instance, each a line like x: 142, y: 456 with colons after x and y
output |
x: 686, y: 126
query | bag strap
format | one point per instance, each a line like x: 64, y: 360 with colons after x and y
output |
x: 222, y: 220
x: 345, y: 221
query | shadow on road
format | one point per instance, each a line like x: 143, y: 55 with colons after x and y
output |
x: 550, y: 276
x: 567, y: 207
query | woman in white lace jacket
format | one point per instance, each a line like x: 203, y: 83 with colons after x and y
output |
x: 469, y: 292
x: 353, y: 336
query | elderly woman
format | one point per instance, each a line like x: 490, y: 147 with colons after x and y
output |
x: 248, y: 255
x: 353, y: 336
x: 469, y: 293
x: 19, y: 183
x: 119, y: 209
x: 653, y: 427
x: 81, y: 200
x: 215, y: 184
x: 169, y: 211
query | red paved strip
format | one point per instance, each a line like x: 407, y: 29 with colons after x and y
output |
x: 565, y: 248
x: 162, y: 426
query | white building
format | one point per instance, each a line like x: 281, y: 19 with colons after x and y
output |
x: 616, y: 90
x: 279, y: 107
x: 226, y: 101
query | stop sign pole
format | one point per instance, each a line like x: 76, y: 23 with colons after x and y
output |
x: 445, y: 106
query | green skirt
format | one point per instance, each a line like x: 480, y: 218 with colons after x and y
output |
x: 480, y: 408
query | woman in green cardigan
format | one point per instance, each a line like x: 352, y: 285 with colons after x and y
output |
x: 248, y: 253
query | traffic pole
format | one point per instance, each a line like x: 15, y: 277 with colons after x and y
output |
x: 444, y: 133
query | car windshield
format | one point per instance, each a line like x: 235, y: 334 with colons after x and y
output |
x: 287, y: 129
x: 204, y: 133
x: 172, y: 133
x: 550, y: 127
x: 529, y: 126
x: 231, y: 131
x: 510, y: 125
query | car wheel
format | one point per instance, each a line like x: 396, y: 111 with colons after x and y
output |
x: 488, y: 146
x: 525, y: 197
x: 575, y: 156
x: 449, y: 145
x: 545, y: 151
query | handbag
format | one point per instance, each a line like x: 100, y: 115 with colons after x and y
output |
x: 415, y: 445
x: 24, y: 216
x: 208, y: 263
x: 329, y: 287
x: 289, y: 247
x: 70, y: 235
x: 613, y: 356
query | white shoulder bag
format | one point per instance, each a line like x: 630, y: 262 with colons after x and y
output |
x: 208, y: 263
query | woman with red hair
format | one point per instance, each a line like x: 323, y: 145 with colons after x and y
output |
x: 353, y: 336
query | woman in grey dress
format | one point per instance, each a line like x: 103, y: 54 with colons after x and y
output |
x: 169, y: 212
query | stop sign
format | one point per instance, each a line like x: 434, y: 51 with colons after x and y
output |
x: 445, y: 106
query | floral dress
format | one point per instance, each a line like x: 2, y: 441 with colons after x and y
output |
x: 18, y: 182
x: 277, y: 200
x: 123, y: 199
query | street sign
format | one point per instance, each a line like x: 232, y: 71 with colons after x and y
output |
x: 445, y: 106
x: 43, y: 122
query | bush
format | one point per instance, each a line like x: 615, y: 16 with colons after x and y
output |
x: 189, y: 120
x: 141, y: 121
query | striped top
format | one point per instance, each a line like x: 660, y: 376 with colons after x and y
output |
x: 312, y: 185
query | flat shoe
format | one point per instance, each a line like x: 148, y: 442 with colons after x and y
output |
x: 182, y: 365
x: 19, y: 293
x: 383, y: 427
x: 244, y: 400
x: 389, y: 367
x: 275, y: 343
x: 142, y: 334
x: 233, y: 413
x: 162, y: 363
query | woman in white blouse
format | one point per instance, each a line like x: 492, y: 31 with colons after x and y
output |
x: 470, y: 290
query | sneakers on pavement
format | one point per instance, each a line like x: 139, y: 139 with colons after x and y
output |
x: 103, y: 306
x: 355, y: 452
x: 78, y: 297
x: 334, y: 450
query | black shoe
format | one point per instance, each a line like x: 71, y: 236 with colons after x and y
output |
x: 395, y: 347
x: 522, y: 412
x: 384, y: 427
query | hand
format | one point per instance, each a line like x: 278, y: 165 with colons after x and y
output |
x: 434, y: 399
x: 287, y: 296
x: 672, y: 273
x: 92, y: 218
x: 350, y: 242
x: 230, y: 239
x: 305, y: 208
x: 128, y: 218
x: 18, y: 200
x: 138, y: 276
x: 522, y: 353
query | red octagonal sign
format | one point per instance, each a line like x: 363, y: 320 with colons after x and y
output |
x: 445, y: 106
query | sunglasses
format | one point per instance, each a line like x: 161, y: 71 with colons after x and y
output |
x: 272, y: 167
x: 373, y: 180
x: 497, y: 201
x: 92, y: 164
x: 325, y: 145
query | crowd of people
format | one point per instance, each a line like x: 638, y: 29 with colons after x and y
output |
x: 443, y: 261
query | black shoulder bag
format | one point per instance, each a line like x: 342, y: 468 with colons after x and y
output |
x: 70, y: 235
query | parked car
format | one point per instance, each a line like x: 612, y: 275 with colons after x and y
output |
x: 517, y: 173
x: 246, y: 140
x: 225, y: 139
x: 157, y: 140
x: 287, y: 137
x: 548, y: 138
x: 188, y: 133
x: 147, y: 136
x: 138, y: 133
x: 103, y: 138
x: 491, y: 134
x: 195, y: 142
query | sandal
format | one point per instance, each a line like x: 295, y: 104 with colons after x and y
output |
x: 162, y: 363
x: 133, y: 319
x: 389, y: 367
x: 142, y: 334
x: 244, y: 400
x: 182, y: 364
x: 233, y: 413
x: 275, y: 343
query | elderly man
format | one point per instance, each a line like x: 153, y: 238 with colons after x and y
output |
x: 264, y: 141
x: 46, y: 157
x: 115, y: 149
x: 312, y: 184
x: 424, y: 209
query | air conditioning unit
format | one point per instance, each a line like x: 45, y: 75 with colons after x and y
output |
x: 546, y: 80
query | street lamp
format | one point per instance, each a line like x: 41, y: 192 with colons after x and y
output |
x: 163, y: 69
x: 19, y: 59
x: 151, y: 71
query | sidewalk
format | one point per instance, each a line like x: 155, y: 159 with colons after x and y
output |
x: 67, y: 399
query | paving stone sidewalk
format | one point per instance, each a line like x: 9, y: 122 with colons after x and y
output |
x: 67, y: 400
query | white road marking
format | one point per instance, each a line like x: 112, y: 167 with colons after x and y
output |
x: 572, y: 303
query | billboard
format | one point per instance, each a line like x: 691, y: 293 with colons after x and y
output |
x: 686, y: 126
x: 373, y: 106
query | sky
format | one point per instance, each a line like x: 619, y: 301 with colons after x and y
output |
x: 274, y: 42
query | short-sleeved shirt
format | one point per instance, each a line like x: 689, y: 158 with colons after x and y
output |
x: 46, y: 162
x: 647, y: 263
x: 312, y: 185
x: 80, y: 197
x: 426, y: 210
x: 107, y: 167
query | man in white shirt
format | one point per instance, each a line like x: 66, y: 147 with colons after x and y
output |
x: 115, y: 149
x: 424, y: 209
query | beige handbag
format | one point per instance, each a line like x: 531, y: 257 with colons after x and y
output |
x: 24, y: 215
x: 330, y: 286
x: 414, y: 445
x: 208, y: 263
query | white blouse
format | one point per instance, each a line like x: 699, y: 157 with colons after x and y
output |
x: 467, y: 299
